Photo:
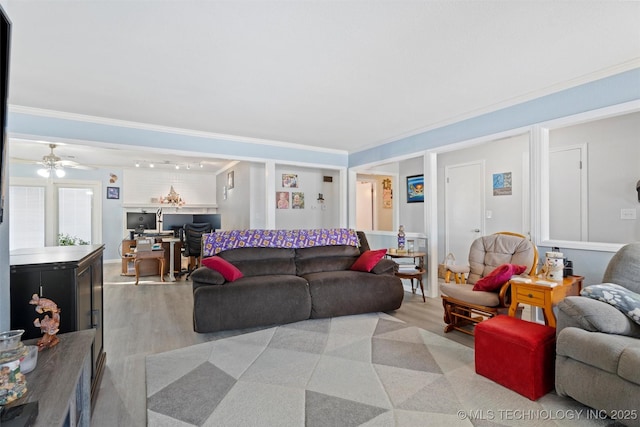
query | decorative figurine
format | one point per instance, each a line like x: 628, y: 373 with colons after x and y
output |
x: 49, y: 326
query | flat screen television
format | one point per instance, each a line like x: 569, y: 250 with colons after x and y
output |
x: 141, y: 221
x: 5, y: 43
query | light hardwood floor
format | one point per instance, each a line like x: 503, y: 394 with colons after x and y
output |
x: 154, y: 317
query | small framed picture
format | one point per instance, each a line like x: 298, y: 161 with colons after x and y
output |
x: 113, y: 192
x: 297, y: 200
x: 415, y: 189
x: 289, y: 180
x: 282, y: 199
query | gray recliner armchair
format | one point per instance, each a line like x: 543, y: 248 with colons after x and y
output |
x: 598, y: 346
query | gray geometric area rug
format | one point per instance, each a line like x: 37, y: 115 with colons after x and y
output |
x: 363, y: 370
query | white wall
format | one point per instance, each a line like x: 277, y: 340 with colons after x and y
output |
x: 258, y: 205
x: 235, y: 209
x: 330, y: 216
x: 141, y: 186
x: 613, y: 167
x: 411, y: 214
x: 310, y: 182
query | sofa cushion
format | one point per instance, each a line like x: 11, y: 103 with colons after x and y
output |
x: 325, y: 258
x: 206, y: 276
x: 466, y: 293
x: 595, y: 316
x: 624, y: 267
x: 597, y: 349
x: 619, y: 297
x: 339, y: 293
x: 229, y: 271
x: 368, y: 260
x: 250, y: 302
x: 629, y: 362
x: 498, y: 277
x: 261, y: 261
x: 385, y: 266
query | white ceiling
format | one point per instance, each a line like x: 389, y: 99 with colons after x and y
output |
x: 336, y: 74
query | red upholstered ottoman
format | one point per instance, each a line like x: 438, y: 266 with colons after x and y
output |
x: 517, y: 354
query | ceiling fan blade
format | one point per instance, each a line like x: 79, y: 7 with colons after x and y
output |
x: 24, y: 161
x: 73, y: 165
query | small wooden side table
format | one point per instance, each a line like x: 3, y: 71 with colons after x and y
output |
x: 410, y: 275
x: 142, y: 255
x: 542, y: 295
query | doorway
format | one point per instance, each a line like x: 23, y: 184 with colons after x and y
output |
x: 365, y: 193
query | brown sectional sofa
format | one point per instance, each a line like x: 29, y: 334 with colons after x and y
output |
x: 288, y: 285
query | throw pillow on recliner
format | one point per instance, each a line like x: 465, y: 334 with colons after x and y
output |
x: 628, y: 302
x: 498, y: 277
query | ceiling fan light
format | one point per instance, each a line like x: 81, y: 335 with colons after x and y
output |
x: 60, y: 173
x: 45, y: 173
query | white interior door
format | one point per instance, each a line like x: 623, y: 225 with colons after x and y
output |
x: 464, y: 207
x: 364, y: 205
x: 567, y: 194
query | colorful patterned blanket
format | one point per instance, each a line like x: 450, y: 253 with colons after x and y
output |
x: 219, y: 241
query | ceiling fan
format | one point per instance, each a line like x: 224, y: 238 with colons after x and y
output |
x: 52, y: 164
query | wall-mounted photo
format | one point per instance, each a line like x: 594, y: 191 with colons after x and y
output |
x: 282, y: 199
x: 297, y: 200
x: 289, y: 180
x: 113, y: 192
x: 502, y: 184
x: 415, y: 188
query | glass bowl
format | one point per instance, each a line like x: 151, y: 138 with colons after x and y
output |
x: 28, y: 363
x: 10, y: 340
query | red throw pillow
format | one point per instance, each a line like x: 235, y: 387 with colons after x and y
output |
x: 229, y: 271
x: 498, y: 277
x: 368, y: 260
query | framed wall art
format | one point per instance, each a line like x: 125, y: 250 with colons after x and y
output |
x: 415, y: 188
x: 289, y: 180
x: 282, y: 199
x: 297, y: 200
x: 113, y: 192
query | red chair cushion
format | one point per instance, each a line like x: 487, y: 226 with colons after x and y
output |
x: 498, y: 277
x: 229, y: 271
x: 368, y: 260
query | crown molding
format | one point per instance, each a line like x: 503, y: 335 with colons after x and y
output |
x: 558, y: 87
x: 62, y: 115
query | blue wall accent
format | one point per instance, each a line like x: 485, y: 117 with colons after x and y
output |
x: 616, y: 89
x: 31, y: 124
